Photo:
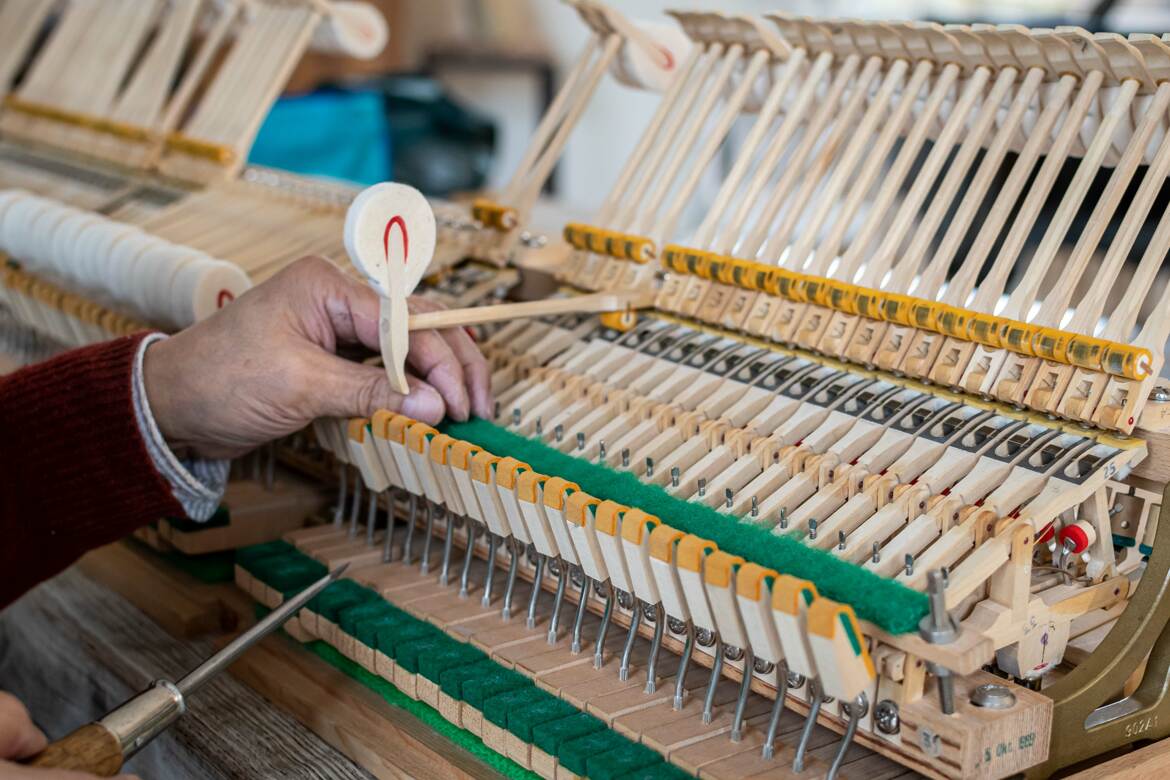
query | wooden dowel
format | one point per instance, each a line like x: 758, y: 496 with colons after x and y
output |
x: 477, y: 315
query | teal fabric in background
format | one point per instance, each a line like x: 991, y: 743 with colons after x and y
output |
x: 334, y: 133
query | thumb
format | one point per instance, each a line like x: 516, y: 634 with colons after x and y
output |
x: 343, y: 388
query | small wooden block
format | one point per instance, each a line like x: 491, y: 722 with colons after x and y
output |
x: 243, y: 579
x: 384, y: 666
x: 543, y: 764
x: 327, y: 630
x: 472, y: 719
x: 565, y: 774
x: 518, y: 750
x: 271, y: 598
x: 364, y: 655
x: 495, y: 737
x: 427, y: 691
x: 451, y: 709
x: 308, y: 620
x: 405, y: 681
x: 294, y: 629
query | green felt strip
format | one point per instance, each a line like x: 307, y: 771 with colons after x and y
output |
x: 506, y: 698
x: 247, y: 557
x: 884, y: 602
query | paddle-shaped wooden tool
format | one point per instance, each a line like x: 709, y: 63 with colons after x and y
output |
x: 390, y: 238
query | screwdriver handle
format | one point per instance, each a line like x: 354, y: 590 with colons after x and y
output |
x: 92, y: 748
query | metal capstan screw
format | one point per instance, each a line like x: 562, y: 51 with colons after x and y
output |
x: 516, y: 416
x: 580, y: 441
x: 939, y: 627
x: 674, y: 475
x: 783, y: 519
x: 877, y: 553
x: 702, y: 484
x: 909, y: 564
x: 841, y: 540
x: 601, y: 452
x: 539, y: 427
x: 755, y: 507
x: 559, y: 433
x: 649, y: 468
x: 812, y: 528
x: 625, y: 457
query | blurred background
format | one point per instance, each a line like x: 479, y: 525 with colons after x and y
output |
x: 451, y: 103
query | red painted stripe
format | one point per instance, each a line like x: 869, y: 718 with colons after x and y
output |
x: 401, y: 223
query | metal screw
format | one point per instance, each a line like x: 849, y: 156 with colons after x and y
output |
x: 601, y: 452
x: 783, y: 519
x: 674, y: 475
x: 624, y: 599
x: 840, y: 540
x: 728, y: 497
x: 704, y: 637
x: 812, y: 528
x: 539, y: 427
x: 516, y: 416
x: 993, y: 696
x: 886, y: 718
x: 625, y: 457
x: 909, y: 564
x: 877, y: 555
x: 795, y: 679
x: 675, y: 625
x: 649, y: 467
x: 763, y: 667
x: 559, y: 433
x: 732, y: 653
x: 702, y: 484
x: 755, y: 507
x: 580, y: 441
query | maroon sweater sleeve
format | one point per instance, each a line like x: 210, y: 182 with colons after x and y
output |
x: 76, y: 472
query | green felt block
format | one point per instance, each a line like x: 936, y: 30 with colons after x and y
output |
x: 887, y: 603
x: 478, y: 690
x: 433, y: 665
x: 289, y: 576
x: 621, y: 760
x: 339, y: 596
x: 660, y: 771
x: 391, y: 638
x: 351, y: 617
x: 366, y: 632
x: 246, y: 556
x: 523, y: 721
x: 575, y: 754
x: 451, y: 681
x: 408, y: 655
x: 551, y: 735
x: 497, y: 708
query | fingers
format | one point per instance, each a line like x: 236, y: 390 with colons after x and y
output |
x: 434, y: 360
x: 17, y: 772
x: 330, y: 305
x: 343, y: 388
x: 474, y: 368
x: 19, y: 737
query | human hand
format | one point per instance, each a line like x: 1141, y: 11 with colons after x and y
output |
x: 265, y: 366
x: 21, y: 739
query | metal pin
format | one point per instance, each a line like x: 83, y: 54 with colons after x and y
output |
x: 909, y: 564
x: 580, y: 441
x: 491, y: 570
x: 582, y: 604
x: 628, y: 650
x: 713, y: 682
x: 355, y: 505
x: 342, y: 489
x: 783, y: 519
x: 388, y: 539
x: 877, y: 553
x: 408, y: 542
x: 939, y: 628
x: 625, y: 457
x: 559, y: 433
x: 537, y: 578
x: 745, y: 688
x: 539, y: 427
x: 468, y: 555
x: 371, y: 518
x: 601, y: 452
x: 562, y: 580
x: 425, y: 566
x: 684, y: 664
x: 649, y: 468
x: 448, y: 545
x: 840, y: 540
x: 856, y: 710
x: 655, y: 646
x: 607, y: 613
x: 728, y: 497
x: 814, y: 695
x: 769, y: 750
x: 812, y: 528
x: 516, y: 417
x: 513, y: 567
x: 755, y: 508
x: 674, y: 475
x: 702, y: 485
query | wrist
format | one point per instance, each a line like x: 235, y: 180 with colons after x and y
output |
x: 160, y: 378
